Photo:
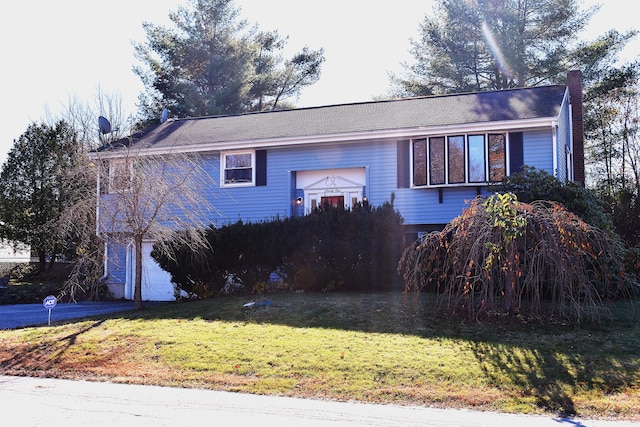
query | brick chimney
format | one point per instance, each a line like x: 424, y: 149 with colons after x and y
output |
x: 574, y: 85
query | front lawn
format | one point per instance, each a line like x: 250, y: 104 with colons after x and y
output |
x: 385, y: 348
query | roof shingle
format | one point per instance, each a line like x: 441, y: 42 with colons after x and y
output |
x: 421, y: 112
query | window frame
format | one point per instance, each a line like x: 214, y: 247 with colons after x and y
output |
x: 224, y: 169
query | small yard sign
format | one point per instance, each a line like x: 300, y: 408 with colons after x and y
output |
x: 48, y: 303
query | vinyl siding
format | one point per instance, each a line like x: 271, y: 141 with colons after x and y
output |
x: 380, y: 160
x: 117, y: 261
x: 538, y: 149
x: 251, y: 204
x: 276, y: 198
x: 422, y: 206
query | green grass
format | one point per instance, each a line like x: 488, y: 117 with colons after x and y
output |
x: 385, y: 348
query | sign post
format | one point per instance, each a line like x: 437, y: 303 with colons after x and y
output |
x: 48, y: 303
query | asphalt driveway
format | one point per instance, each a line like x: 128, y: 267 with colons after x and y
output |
x: 21, y: 315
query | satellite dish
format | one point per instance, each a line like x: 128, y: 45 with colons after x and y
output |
x: 165, y: 115
x: 104, y: 125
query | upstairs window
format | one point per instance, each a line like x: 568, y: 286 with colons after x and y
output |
x: 238, y: 169
x: 497, y: 159
x: 455, y: 160
x: 476, y: 159
x: 420, y: 162
x: 120, y: 175
x: 436, y: 161
x: 459, y: 159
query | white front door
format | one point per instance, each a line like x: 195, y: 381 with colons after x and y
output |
x: 332, y: 186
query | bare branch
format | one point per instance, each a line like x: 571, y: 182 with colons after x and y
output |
x: 155, y: 198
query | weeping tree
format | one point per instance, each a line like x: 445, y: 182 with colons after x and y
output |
x: 504, y: 256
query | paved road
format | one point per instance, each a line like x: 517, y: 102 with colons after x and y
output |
x: 50, y: 402
x: 20, y: 315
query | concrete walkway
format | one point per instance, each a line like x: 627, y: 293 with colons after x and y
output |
x: 50, y: 402
x: 21, y: 315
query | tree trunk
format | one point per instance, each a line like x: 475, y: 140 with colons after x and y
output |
x: 137, y: 293
x: 42, y: 261
x: 510, y: 280
x: 52, y: 261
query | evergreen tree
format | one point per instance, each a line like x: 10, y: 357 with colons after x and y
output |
x: 34, y: 189
x: 211, y: 62
x: 501, y: 44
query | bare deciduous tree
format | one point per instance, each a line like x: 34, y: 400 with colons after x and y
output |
x: 150, y: 197
x: 77, y: 224
x: 83, y: 118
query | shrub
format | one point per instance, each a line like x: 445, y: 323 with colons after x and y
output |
x: 332, y: 249
x: 32, y: 293
x: 24, y: 272
x: 534, y: 184
x: 504, y: 256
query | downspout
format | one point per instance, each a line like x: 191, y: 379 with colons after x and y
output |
x: 554, y: 138
x: 97, y: 203
x: 129, y: 280
x: 106, y: 246
x: 106, y: 263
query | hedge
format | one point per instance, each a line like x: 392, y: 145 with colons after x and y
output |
x: 331, y: 249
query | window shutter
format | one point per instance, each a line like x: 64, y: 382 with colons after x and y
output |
x: 261, y: 168
x: 403, y: 164
x: 516, y: 152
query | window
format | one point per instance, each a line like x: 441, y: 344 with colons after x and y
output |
x: 238, y: 169
x: 455, y: 153
x: 459, y: 159
x: 420, y: 162
x: 476, y: 158
x: 119, y: 175
x: 497, y: 161
x: 436, y: 161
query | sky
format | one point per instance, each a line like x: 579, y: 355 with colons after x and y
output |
x: 53, y: 51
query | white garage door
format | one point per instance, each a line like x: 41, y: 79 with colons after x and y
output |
x: 156, y: 283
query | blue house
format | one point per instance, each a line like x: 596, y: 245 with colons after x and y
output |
x: 433, y: 153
